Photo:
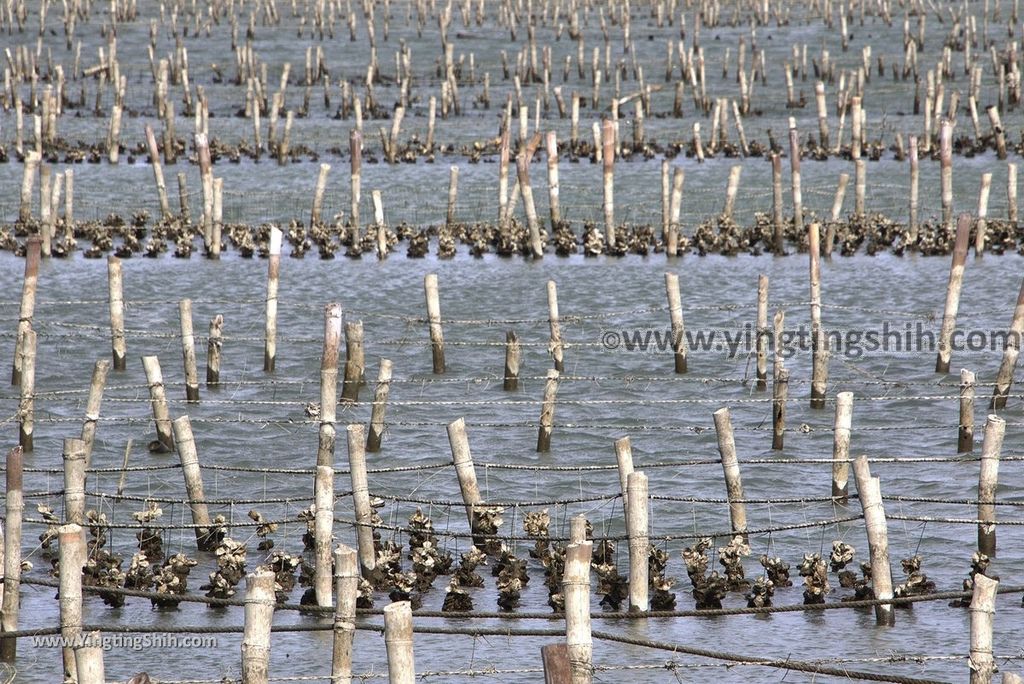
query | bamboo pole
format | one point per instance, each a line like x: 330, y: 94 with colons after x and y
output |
x: 398, y: 642
x: 158, y: 173
x: 731, y: 468
x: 555, y: 345
x: 259, y: 614
x: 273, y: 278
x: 318, y: 196
x: 608, y: 182
x: 555, y: 659
x: 983, y: 610
x: 637, y: 530
x: 965, y: 429
x: 380, y: 404
x: 981, y: 225
x: 14, y: 506
x: 624, y: 459
x: 89, y: 659
x: 115, y: 288
x: 323, y: 532
x: 778, y: 221
x: 512, y: 356
x: 185, y: 443
x: 30, y: 284
x: 675, y: 310
x: 576, y: 590
x: 27, y: 400
x: 355, y: 143
x: 841, y: 446
x: 794, y: 168
x: 762, y: 332
x: 915, y: 174
x: 213, y: 351
x: 355, y: 361
x: 346, y: 588
x: 434, y: 317
x: 547, y: 413
x: 453, y: 195
x: 92, y: 406
x: 31, y: 165
x: 72, y: 560
x: 1004, y: 378
x: 991, y: 449
x: 956, y: 280
x: 158, y: 398
x: 946, y: 172
x: 188, y: 350
x: 780, y: 395
x: 73, y: 457
x: 361, y: 498
x: 551, y: 147
x: 462, y: 458
x: 819, y: 371
x: 870, y: 495
x: 532, y: 222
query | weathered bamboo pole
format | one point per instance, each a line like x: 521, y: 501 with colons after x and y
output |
x: 1004, y: 378
x: 361, y: 498
x: 991, y: 449
x: 551, y: 147
x: 983, y: 610
x: 547, y: 413
x: 259, y: 613
x: 731, y: 189
x: 780, y: 395
x: 576, y: 590
x: 819, y: 370
x: 675, y: 208
x: 794, y: 168
x: 318, y: 196
x: 72, y: 560
x: 188, y: 350
x: 841, y: 446
x: 965, y: 429
x: 323, y: 532
x: 675, y: 310
x: 188, y: 455
x: 89, y: 659
x: 158, y: 173
x: 273, y: 278
x: 462, y: 458
x: 355, y: 143
x: 31, y: 165
x: 73, y: 457
x: 164, y: 442
x: 526, y: 189
x: 512, y: 357
x: 778, y: 222
x: 981, y: 225
x: 956, y: 281
x: 380, y: 404
x: 608, y: 182
x: 30, y: 284
x: 870, y: 494
x: 27, y: 398
x: 731, y: 468
x: 213, y: 350
x: 555, y: 660
x: 115, y: 287
x: 346, y: 588
x: 624, y: 460
x: 398, y: 642
x: 14, y: 506
x: 762, y: 332
x: 915, y: 174
x: 555, y: 345
x: 946, y: 172
x: 1011, y: 194
x: 639, y: 551
x: 453, y: 195
x: 355, y: 361
x: 434, y: 318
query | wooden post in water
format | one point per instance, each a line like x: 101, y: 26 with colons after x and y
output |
x: 434, y: 318
x: 915, y: 174
x: 398, y: 642
x: 870, y: 494
x: 639, y: 551
x: 27, y: 399
x: 89, y: 659
x: 73, y: 457
x: 780, y: 395
x: 991, y: 449
x: 675, y: 310
x: 512, y: 356
x: 946, y: 172
x: 731, y: 188
x: 555, y: 344
x: 213, y: 350
x: 346, y: 588
x: 608, y: 176
x: 453, y: 195
x: 794, y: 168
x: 675, y: 207
x: 355, y: 144
x: 624, y: 459
x: 762, y: 332
x: 158, y: 173
x: 185, y: 443
x: 329, y: 386
x: 731, y: 468
x: 462, y: 458
x: 259, y: 614
x: 819, y: 370
x: 92, y: 406
x: 981, y: 225
x: 188, y: 350
x: 1011, y: 194
x: 551, y: 147
x: 318, y: 196
x: 841, y: 446
x: 956, y: 281
x: 965, y: 429
x: 576, y: 590
x: 1004, y: 378
x: 380, y: 404
x: 115, y: 285
x: 323, y: 532
x: 778, y: 222
x: 273, y: 276
x: 14, y: 506
x: 28, y: 302
x: 72, y: 560
x: 532, y: 222
x: 355, y: 361
x: 158, y: 398
x: 555, y: 659
x: 983, y: 610
x: 361, y: 498
x: 547, y: 413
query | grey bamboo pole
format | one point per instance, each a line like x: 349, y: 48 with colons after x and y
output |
x: 819, y: 371
x: 453, y: 195
x: 731, y: 468
x: 188, y: 350
x: 318, y: 196
x: 870, y: 494
x: 259, y: 614
x: 27, y: 399
x: 981, y: 225
x: 608, y: 182
x: 675, y: 310
x: 639, y: 544
x: 965, y: 429
x: 991, y: 449
x: 1004, y: 378
x: 780, y: 395
x: 547, y: 413
x: 380, y: 404
x: 355, y: 361
x: 73, y: 457
x: 92, y: 406
x: 841, y: 446
x: 355, y: 142
x: 555, y: 345
x: 273, y: 277
x: 398, y: 642
x: 778, y: 222
x: 554, y: 207
x: 946, y: 172
x: 346, y: 589
x: 762, y: 332
x: 576, y: 590
x: 624, y: 460
x: 434, y: 318
x: 89, y: 659
x: 188, y: 455
x: 158, y: 173
x: 323, y: 532
x: 28, y: 302
x: 72, y: 560
x: 32, y: 161
x: 158, y: 398
x: 983, y: 610
x: 1011, y: 194
x: 915, y: 175
x: 14, y: 506
x: 675, y: 208
x: 215, y: 344
x: 956, y: 281
x: 462, y: 458
x: 794, y: 168
x: 512, y: 357
x: 115, y: 284
x: 532, y: 222
x: 361, y: 498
